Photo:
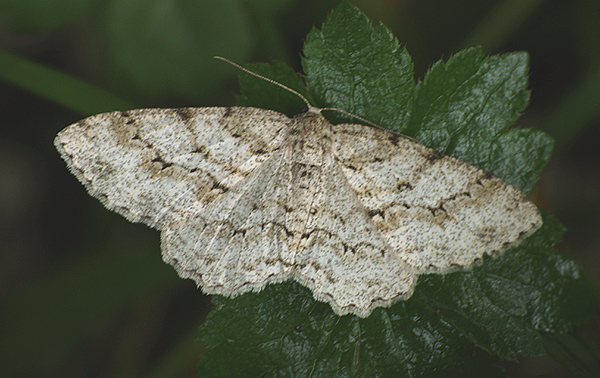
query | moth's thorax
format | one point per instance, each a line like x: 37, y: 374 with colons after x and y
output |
x: 309, y: 137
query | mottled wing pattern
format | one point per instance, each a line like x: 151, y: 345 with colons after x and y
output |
x: 148, y: 164
x: 344, y: 259
x: 297, y: 217
x: 246, y: 196
x: 242, y: 240
x: 435, y: 211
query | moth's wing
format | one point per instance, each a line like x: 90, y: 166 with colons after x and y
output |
x: 290, y: 219
x: 435, y: 211
x: 148, y: 164
x: 343, y: 258
x: 250, y: 236
x: 243, y: 239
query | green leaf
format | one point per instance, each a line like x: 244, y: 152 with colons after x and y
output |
x: 504, y: 304
x: 284, y: 332
x: 519, y: 156
x: 464, y: 107
x: 363, y: 70
x: 455, y: 324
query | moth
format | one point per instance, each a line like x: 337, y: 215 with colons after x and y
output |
x: 244, y: 197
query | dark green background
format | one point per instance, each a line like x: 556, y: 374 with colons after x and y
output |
x: 86, y: 290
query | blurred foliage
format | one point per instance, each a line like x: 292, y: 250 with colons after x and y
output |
x: 85, y: 293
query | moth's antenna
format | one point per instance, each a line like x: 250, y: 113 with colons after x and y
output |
x: 266, y: 79
x: 354, y: 116
x: 310, y: 107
